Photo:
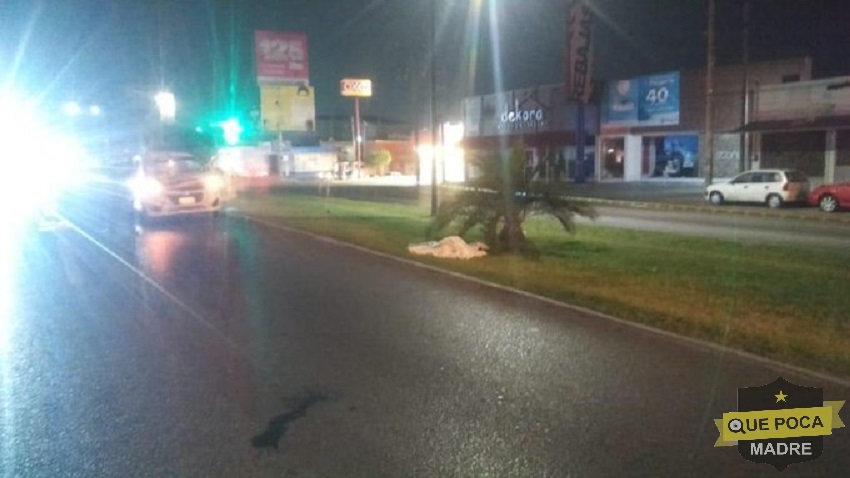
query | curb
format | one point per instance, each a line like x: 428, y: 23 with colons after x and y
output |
x: 771, y: 363
x: 837, y: 217
x: 823, y: 218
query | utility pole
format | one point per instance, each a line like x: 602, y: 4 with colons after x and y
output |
x: 358, y: 138
x: 745, y: 104
x: 709, y: 93
x: 434, y: 199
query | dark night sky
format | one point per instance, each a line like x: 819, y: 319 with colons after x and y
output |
x: 119, y: 51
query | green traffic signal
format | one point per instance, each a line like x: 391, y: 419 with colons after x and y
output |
x: 232, y: 131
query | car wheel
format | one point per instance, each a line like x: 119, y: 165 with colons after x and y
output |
x: 828, y: 203
x: 715, y: 198
x: 774, y: 201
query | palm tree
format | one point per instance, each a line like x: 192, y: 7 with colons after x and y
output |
x: 501, y: 198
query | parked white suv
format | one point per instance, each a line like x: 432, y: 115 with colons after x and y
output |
x: 773, y: 187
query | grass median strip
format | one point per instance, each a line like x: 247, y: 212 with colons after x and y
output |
x: 782, y: 302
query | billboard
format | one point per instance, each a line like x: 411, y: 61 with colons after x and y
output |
x: 355, y: 87
x: 580, y: 53
x: 646, y: 101
x: 281, y: 57
x: 287, y: 107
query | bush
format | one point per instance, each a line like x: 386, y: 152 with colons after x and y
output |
x: 379, y: 161
x: 500, y: 199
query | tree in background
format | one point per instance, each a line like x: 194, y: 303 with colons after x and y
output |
x: 379, y: 161
x: 501, y: 198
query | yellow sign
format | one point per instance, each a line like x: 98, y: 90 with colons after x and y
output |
x: 782, y: 423
x: 356, y: 87
x: 287, y: 107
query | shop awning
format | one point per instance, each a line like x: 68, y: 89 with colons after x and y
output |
x: 806, y: 124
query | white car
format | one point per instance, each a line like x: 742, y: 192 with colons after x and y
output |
x: 773, y: 187
x: 171, y: 183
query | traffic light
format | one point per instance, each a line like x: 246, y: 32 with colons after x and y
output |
x: 232, y: 130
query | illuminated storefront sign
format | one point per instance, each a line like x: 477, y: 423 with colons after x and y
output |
x: 518, y: 118
x: 532, y: 110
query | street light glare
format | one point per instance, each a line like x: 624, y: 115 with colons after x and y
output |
x: 232, y: 131
x: 71, y: 108
x: 167, y: 105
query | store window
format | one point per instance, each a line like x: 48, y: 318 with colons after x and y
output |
x: 613, y: 158
x: 675, y: 156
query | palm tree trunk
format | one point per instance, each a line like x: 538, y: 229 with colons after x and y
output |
x: 512, y: 237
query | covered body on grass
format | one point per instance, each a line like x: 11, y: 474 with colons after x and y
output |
x: 452, y: 247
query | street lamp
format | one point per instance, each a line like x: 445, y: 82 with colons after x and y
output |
x: 167, y: 105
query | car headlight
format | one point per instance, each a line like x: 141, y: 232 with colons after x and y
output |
x: 213, y: 183
x: 145, y: 187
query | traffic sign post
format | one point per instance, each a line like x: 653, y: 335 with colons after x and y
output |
x: 357, y: 88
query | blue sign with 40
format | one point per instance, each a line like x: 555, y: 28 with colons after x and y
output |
x: 659, y: 99
x: 646, y: 101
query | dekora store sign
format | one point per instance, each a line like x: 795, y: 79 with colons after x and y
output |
x: 519, y: 117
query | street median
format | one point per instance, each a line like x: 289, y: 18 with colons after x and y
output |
x: 780, y: 302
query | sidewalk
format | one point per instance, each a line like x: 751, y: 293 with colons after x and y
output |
x: 667, y: 192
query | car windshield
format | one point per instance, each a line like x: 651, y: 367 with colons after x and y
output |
x: 424, y: 238
x: 175, y: 166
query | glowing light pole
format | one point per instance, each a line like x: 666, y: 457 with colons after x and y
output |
x: 167, y: 106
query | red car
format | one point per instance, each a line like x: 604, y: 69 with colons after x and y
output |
x: 831, y: 197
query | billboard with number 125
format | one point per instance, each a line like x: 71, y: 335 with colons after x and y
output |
x: 281, y: 57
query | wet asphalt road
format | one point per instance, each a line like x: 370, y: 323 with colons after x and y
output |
x: 215, y: 347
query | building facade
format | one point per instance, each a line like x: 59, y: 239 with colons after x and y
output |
x: 540, y: 119
x: 805, y: 126
x: 643, y: 128
x: 654, y: 126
